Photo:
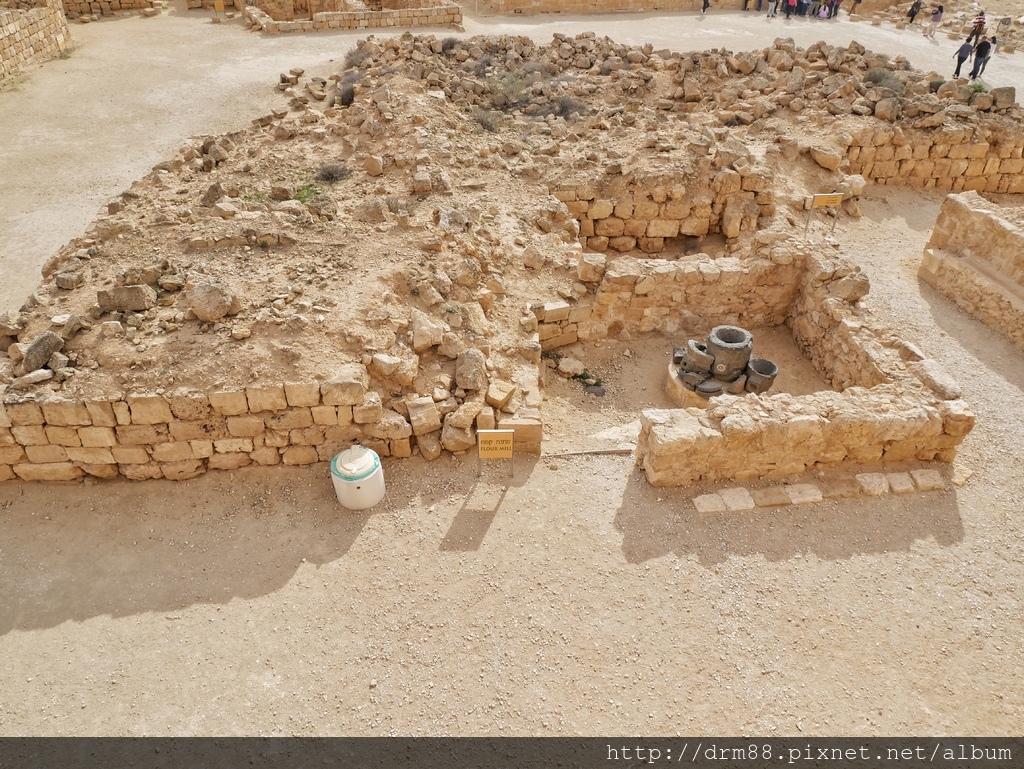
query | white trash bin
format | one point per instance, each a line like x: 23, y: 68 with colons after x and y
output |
x: 358, y: 478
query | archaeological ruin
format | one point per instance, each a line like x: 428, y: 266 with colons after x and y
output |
x: 404, y: 252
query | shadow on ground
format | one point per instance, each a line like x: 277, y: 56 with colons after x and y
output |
x: 831, y: 531
x: 128, y: 548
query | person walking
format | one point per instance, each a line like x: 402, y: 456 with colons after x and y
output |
x: 790, y: 7
x: 933, y: 23
x: 704, y: 8
x: 915, y: 8
x: 981, y: 52
x: 992, y: 50
x: 963, y: 53
x: 771, y: 8
x: 977, y: 27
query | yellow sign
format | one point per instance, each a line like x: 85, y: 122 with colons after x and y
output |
x: 218, y: 6
x: 833, y: 199
x: 495, y: 444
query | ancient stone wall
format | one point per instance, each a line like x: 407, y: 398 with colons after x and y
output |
x: 436, y: 14
x: 645, y: 216
x: 952, y: 159
x: 975, y: 257
x: 77, y: 8
x: 182, y: 434
x: 688, y: 296
x: 31, y: 36
x: 894, y: 405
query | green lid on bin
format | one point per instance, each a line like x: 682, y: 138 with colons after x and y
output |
x: 355, y: 464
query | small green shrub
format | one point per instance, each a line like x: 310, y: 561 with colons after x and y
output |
x: 397, y: 205
x: 935, y: 85
x: 306, y: 192
x: 978, y: 87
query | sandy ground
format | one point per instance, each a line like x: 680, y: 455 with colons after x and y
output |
x: 570, y: 599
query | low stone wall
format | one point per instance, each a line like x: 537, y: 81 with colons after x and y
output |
x: 444, y: 15
x: 975, y: 257
x: 645, y: 216
x: 31, y: 36
x: 183, y: 434
x: 893, y: 405
x: 949, y: 159
x: 77, y: 8
x: 687, y: 296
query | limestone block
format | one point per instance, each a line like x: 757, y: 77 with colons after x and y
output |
x: 424, y: 416
x: 12, y: 455
x: 347, y: 387
x: 471, y: 369
x: 30, y: 435
x: 211, y: 302
x: 201, y: 448
x: 590, y: 268
x: 58, y: 436
x: 370, y: 410
x: 245, y: 426
x: 126, y: 298
x: 709, y: 503
x: 61, y: 412
x: 149, y: 410
x: 129, y: 455
x: 229, y: 402
x: 934, y: 376
x: 324, y: 415
x: 177, y: 451
x: 91, y: 456
x: 100, y: 471
x: 499, y: 393
x: 139, y: 472
x: 455, y: 438
x: 121, y: 412
x: 232, y: 445
x: 41, y: 349
x: 24, y: 414
x: 55, y: 471
x: 426, y: 332
x: 391, y: 426
x: 485, y: 420
x: 306, y: 436
x: 402, y: 447
x: 45, y: 454
x: 266, y: 455
x: 737, y: 499
x: 229, y: 461
x: 6, y: 473
x: 182, y: 471
x: 300, y: 455
x: 928, y: 480
x: 189, y: 406
x: 840, y: 488
x: 873, y: 484
x: 900, y: 483
x: 773, y: 496
x: 266, y: 399
x: 529, y: 432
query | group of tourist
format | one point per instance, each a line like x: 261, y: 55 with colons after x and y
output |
x: 981, y: 52
x: 815, y: 9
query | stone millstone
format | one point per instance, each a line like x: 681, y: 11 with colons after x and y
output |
x: 44, y: 345
x: 126, y: 298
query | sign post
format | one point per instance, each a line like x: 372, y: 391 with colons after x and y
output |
x: 495, y: 444
x: 826, y: 200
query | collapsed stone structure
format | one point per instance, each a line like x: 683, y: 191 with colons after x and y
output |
x: 975, y: 257
x: 346, y: 271
x: 33, y: 31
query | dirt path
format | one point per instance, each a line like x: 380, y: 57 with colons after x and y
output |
x: 572, y: 599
